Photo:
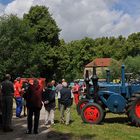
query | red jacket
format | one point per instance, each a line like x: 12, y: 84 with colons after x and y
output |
x: 17, y: 89
x: 76, y: 89
x: 34, y: 97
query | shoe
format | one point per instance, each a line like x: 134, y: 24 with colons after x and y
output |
x: 67, y: 124
x: 49, y: 122
x: 48, y: 126
x: 35, y: 132
x: 46, y: 123
x: 28, y: 132
x: 25, y: 115
x: 18, y: 116
x: 10, y: 129
x: 53, y: 124
x: 62, y: 121
x: 7, y: 129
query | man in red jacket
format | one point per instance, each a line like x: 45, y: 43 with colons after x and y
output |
x: 18, y: 97
x: 34, y: 105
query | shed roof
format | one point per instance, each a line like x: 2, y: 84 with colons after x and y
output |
x: 100, y: 62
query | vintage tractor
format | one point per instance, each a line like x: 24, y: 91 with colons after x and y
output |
x: 123, y: 97
x: 88, y: 93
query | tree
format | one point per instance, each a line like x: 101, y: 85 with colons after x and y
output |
x: 46, y: 40
x: 14, y: 45
x: 133, y: 42
x: 28, y: 45
x: 115, y: 69
x: 133, y: 65
x: 43, y: 26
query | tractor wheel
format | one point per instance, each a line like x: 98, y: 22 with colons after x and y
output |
x: 133, y: 109
x: 81, y: 104
x: 92, y: 113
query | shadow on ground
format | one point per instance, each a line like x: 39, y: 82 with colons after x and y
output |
x: 19, y: 126
x: 119, y: 120
x: 53, y: 135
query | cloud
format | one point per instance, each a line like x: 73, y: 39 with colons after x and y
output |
x: 2, y: 7
x: 19, y: 7
x: 80, y: 18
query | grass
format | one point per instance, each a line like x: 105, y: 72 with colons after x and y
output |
x: 115, y: 127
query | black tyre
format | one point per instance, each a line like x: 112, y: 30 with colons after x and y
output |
x: 92, y: 113
x: 81, y: 104
x: 133, y: 109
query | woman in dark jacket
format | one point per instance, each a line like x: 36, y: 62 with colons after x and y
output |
x: 49, y: 104
x: 34, y: 105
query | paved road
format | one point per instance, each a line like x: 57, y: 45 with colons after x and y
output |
x: 20, y: 125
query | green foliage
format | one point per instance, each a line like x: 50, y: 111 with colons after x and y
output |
x: 74, y: 56
x: 27, y: 46
x: 133, y: 65
x: 43, y: 26
x: 133, y: 45
x: 115, y: 70
x: 14, y: 44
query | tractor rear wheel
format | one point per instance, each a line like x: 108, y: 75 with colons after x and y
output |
x: 133, y: 109
x: 92, y: 113
x: 81, y: 104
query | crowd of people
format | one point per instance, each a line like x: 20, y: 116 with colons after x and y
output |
x: 31, y: 97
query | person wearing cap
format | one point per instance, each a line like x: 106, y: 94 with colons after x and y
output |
x: 65, y: 97
x: 18, y: 97
x: 7, y: 91
x: 63, y: 80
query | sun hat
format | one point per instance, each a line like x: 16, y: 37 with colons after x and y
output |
x: 64, y: 84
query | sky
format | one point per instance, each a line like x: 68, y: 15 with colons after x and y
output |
x: 84, y: 18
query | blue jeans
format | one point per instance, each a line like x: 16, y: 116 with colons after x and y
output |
x: 18, y: 106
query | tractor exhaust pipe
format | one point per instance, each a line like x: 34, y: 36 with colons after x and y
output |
x: 95, y: 84
x: 108, y: 76
x: 87, y: 81
x: 123, y: 79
